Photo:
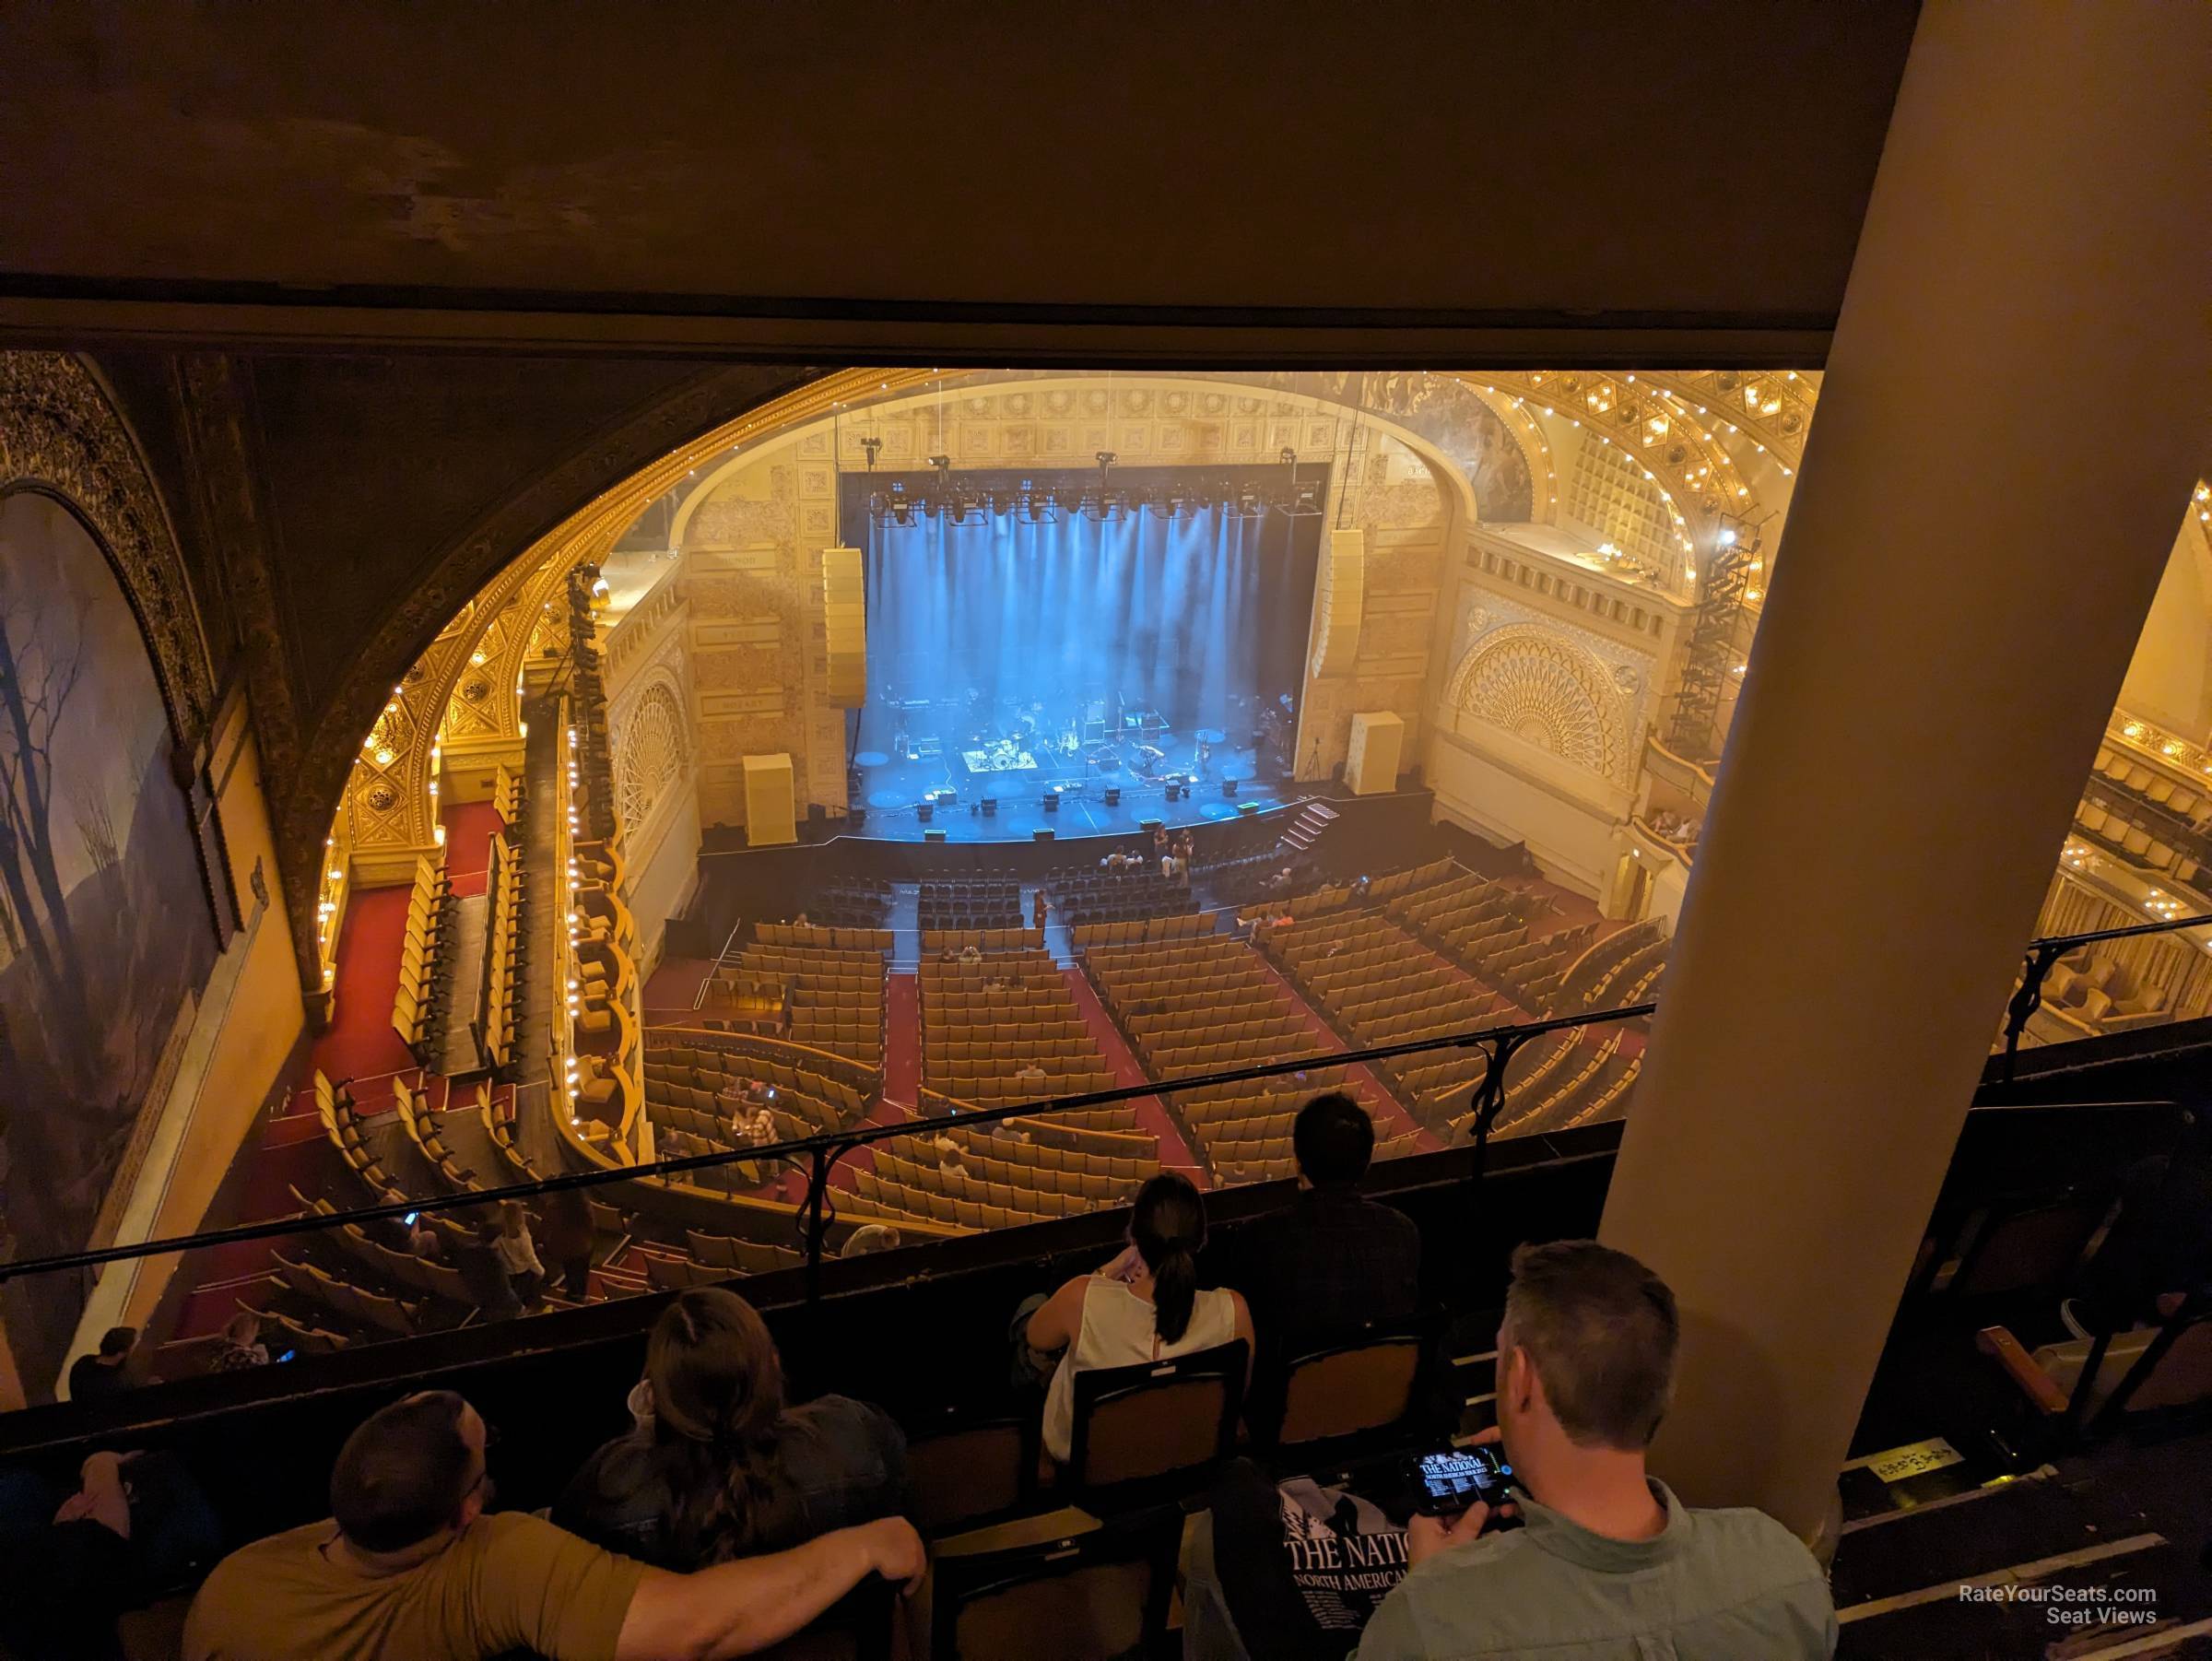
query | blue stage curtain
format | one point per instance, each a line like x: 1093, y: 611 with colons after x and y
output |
x: 1165, y: 613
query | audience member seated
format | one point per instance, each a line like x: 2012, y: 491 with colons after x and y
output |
x: 1608, y: 1564
x: 1302, y: 1564
x: 242, y: 1347
x: 1334, y: 1259
x: 2159, y: 1245
x: 410, y: 1567
x: 1144, y: 1306
x: 137, y: 1527
x: 717, y: 1467
x: 116, y: 1367
x: 871, y: 1237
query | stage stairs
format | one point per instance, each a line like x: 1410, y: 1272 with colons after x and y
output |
x: 1305, y: 832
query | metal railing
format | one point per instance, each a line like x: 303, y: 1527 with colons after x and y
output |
x: 2027, y: 997
x: 821, y: 1152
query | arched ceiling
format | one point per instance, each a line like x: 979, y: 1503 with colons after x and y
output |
x: 1716, y: 424
x: 774, y: 180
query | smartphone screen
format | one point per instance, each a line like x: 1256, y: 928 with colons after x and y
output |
x: 1450, y: 1482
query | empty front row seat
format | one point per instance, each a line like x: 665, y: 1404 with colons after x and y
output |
x: 1368, y: 1383
x: 1092, y: 1597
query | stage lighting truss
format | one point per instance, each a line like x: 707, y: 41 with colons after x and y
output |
x: 1103, y: 499
x: 1108, y: 507
x: 1033, y: 506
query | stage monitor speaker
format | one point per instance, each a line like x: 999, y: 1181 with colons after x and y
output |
x: 770, y: 801
x: 1339, y: 599
x: 933, y: 836
x: 991, y: 804
x: 1113, y: 795
x: 845, y: 628
x: 1248, y: 810
x: 1051, y: 801
x: 1174, y: 790
x: 1229, y: 788
x: 1370, y: 765
x: 1040, y: 835
x: 1150, y: 825
x: 926, y: 811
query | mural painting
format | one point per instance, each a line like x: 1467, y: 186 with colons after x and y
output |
x: 104, y: 929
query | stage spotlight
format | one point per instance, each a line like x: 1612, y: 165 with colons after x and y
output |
x: 1036, y: 506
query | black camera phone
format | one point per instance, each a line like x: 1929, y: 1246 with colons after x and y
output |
x: 1446, y: 1483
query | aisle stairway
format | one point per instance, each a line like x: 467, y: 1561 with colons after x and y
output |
x: 467, y: 917
x: 1304, y: 832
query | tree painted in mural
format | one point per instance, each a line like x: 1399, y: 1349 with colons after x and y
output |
x: 104, y: 936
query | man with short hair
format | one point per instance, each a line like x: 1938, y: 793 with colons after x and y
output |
x: 1333, y: 1259
x: 109, y: 1371
x: 410, y: 1568
x: 1609, y: 1565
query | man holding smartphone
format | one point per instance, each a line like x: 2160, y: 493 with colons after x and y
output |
x: 1608, y: 1564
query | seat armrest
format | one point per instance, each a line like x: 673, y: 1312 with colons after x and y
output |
x: 1998, y: 1343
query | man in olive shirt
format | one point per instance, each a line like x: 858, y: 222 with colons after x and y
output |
x: 1608, y: 1565
x: 410, y: 1569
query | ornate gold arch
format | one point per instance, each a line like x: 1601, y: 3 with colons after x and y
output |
x: 1527, y: 680
x: 389, y: 795
x: 59, y: 435
x: 392, y: 801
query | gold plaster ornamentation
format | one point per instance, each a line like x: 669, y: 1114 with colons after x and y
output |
x: 59, y: 435
x: 1526, y: 681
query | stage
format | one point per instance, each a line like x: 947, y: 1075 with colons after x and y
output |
x: 1017, y: 651
x: 892, y: 789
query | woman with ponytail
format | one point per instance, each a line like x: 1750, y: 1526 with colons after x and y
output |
x: 1144, y: 1306
x: 718, y: 1466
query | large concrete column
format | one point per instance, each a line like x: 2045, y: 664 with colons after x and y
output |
x: 2013, y: 410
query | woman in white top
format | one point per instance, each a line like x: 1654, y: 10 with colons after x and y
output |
x: 518, y: 1253
x: 1144, y: 1306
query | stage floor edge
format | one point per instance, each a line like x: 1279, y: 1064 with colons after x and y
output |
x: 1080, y: 814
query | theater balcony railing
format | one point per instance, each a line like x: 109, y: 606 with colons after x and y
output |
x: 1694, y: 780
x: 1657, y: 848
x: 325, y: 1279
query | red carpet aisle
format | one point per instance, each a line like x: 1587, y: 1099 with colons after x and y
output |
x: 361, y: 1042
x: 1391, y: 1120
x: 901, y: 1061
x: 672, y: 991
x: 1174, y: 1152
x: 290, y: 1150
x: 291, y: 1153
x: 902, y: 1038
